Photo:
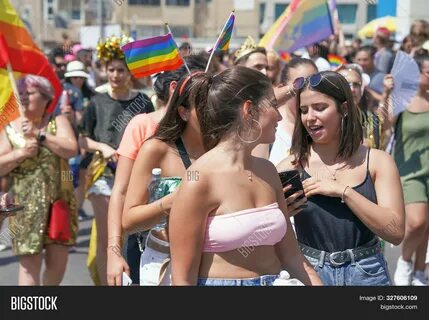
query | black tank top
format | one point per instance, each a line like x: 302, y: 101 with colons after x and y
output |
x: 329, y: 225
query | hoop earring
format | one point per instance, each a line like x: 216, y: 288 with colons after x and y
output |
x: 251, y: 141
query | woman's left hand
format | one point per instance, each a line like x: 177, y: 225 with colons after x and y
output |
x: 326, y: 187
x: 6, y: 200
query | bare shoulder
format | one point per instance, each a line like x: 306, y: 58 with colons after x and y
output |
x: 287, y: 164
x: 380, y: 158
x: 153, y: 149
x: 5, y: 146
x: 381, y: 164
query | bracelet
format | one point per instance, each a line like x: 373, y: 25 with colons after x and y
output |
x: 162, y: 208
x: 342, y: 195
x: 115, y: 248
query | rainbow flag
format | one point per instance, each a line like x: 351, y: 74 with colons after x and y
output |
x: 24, y: 57
x: 336, y: 60
x: 152, y: 55
x: 224, y: 39
x: 285, y: 56
x: 9, y: 109
x: 303, y: 23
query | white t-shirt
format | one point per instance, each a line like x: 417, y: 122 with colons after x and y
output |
x: 281, y: 146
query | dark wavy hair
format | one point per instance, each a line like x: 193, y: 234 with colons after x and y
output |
x: 218, y: 100
x: 293, y: 63
x: 352, y: 132
x: 172, y: 125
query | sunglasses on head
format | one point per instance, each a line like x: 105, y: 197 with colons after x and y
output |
x: 314, y: 80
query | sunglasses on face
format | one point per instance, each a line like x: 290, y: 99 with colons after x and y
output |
x: 355, y: 85
x: 60, y: 65
x: 314, y: 80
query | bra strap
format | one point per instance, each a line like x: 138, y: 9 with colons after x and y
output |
x: 367, y: 160
x: 183, y: 153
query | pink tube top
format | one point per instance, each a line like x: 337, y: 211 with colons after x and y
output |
x: 245, y: 228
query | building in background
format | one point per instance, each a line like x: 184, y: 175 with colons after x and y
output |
x: 198, y: 21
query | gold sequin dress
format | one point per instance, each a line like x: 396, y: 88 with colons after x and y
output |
x: 36, y: 183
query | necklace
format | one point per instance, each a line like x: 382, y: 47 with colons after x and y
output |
x: 249, y: 175
x: 332, y: 174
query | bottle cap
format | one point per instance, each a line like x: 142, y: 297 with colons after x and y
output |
x: 156, y: 171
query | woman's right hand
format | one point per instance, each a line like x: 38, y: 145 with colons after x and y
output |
x: 106, y: 150
x: 116, y: 265
x: 388, y: 84
x: 293, y: 205
x: 167, y: 201
x: 31, y: 148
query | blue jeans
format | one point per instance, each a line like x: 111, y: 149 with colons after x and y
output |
x: 265, y: 280
x: 370, y: 271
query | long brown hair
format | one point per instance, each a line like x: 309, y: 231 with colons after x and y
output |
x: 335, y: 86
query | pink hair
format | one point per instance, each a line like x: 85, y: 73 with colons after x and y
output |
x: 40, y: 83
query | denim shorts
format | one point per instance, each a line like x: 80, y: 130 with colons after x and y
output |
x: 265, y: 280
x: 370, y: 271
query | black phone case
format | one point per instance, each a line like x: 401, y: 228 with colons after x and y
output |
x: 8, y: 211
x: 291, y: 177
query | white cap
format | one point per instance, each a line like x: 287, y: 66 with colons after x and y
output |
x: 76, y: 69
x: 156, y: 171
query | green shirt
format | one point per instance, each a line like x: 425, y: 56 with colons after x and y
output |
x: 411, y: 151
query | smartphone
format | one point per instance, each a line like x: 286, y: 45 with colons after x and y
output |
x: 126, y: 280
x: 11, y: 210
x: 292, y: 177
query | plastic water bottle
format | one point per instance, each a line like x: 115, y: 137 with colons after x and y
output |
x: 64, y: 100
x: 155, y: 191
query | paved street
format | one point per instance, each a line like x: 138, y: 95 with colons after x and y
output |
x: 77, y: 272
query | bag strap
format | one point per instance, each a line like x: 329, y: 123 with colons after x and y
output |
x: 183, y: 153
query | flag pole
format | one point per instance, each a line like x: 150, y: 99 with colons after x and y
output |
x: 217, y: 41
x: 5, y: 56
x: 14, y: 88
x: 184, y: 62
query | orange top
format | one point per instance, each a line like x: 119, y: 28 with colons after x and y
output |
x: 140, y: 128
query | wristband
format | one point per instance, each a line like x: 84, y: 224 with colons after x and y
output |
x: 162, y: 208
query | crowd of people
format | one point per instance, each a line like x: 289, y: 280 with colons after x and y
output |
x: 217, y: 141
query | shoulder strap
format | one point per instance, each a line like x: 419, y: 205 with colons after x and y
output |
x: 367, y: 160
x: 183, y: 153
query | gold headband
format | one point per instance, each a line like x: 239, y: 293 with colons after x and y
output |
x: 247, y: 47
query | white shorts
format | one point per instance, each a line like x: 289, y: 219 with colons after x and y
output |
x: 153, y: 262
x: 103, y: 186
x: 427, y: 254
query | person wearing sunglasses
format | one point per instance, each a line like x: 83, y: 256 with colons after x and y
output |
x: 374, y: 121
x: 354, y: 193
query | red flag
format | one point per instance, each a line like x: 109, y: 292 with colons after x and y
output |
x: 4, y: 56
x: 24, y: 55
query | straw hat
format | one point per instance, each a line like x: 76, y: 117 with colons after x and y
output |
x: 76, y: 69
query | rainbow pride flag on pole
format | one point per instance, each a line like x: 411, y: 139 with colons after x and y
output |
x: 24, y: 57
x: 222, y: 42
x: 303, y: 23
x: 336, y: 60
x: 152, y: 55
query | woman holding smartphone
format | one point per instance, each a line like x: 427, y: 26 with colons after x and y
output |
x: 354, y: 193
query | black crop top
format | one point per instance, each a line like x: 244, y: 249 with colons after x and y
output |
x: 329, y: 225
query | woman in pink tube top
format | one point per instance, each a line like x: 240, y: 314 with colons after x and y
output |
x: 229, y: 225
